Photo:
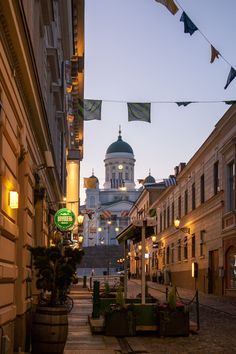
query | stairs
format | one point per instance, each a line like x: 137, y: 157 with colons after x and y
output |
x: 98, y: 256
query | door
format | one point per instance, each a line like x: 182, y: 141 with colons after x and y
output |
x: 213, y: 274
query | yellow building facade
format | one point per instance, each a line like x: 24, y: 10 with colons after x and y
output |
x: 36, y: 38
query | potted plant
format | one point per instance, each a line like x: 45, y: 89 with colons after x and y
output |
x: 55, y: 271
x: 119, y: 318
x: 173, y: 317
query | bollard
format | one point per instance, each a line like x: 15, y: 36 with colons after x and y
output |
x: 96, y: 299
x: 84, y: 281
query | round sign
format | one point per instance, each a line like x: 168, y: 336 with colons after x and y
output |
x: 64, y: 219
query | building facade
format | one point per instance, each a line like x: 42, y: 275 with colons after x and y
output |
x: 36, y: 39
x: 201, y: 252
x: 109, y: 206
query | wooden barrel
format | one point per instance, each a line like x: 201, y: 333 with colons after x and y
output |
x: 49, y: 330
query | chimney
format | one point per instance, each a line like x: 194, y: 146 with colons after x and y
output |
x: 181, y: 166
x: 176, y: 169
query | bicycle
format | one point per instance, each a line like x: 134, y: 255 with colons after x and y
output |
x: 64, y: 300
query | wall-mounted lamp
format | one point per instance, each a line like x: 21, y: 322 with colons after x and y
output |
x: 117, y: 229
x: 139, y: 247
x: 186, y: 230
x: 80, y: 219
x: 13, y: 200
x: 80, y: 238
x: 109, y: 222
x: 154, y: 238
x: 99, y: 229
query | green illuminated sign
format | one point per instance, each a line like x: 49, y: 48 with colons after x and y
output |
x: 64, y: 219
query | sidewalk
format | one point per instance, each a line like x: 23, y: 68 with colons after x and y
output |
x: 219, y: 303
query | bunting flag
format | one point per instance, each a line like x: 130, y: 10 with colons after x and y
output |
x: 171, y: 181
x: 170, y: 5
x: 189, y: 26
x: 214, y: 54
x: 231, y: 76
x: 90, y: 109
x: 230, y: 102
x: 106, y: 214
x: 139, y: 111
x: 90, y: 183
x: 124, y: 213
x: 183, y: 103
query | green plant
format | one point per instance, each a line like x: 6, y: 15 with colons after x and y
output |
x: 55, y: 270
x: 107, y: 289
x: 120, y: 301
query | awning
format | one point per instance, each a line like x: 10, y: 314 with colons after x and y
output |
x: 132, y: 232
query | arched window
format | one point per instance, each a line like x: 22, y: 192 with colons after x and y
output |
x: 231, y: 268
x: 92, y: 202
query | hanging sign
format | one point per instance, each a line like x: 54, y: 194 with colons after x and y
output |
x: 64, y: 219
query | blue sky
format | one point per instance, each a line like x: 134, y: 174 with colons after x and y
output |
x: 137, y: 51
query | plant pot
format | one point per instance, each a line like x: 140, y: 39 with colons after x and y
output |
x: 49, y: 330
x: 173, y: 322
x: 119, y: 323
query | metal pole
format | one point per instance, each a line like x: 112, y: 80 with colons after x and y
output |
x: 197, y: 310
x: 125, y: 270
x: 143, y: 280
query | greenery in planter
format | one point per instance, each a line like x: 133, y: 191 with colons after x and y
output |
x: 55, y: 270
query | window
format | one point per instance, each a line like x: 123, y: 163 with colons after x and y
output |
x: 186, y: 202
x: 179, y: 207
x: 202, y: 239
x: 167, y: 255
x: 164, y: 219
x: 202, y: 189
x: 172, y: 213
x: 164, y: 256
x: 193, y: 196
x: 160, y: 222
x: 185, y: 247
x: 92, y: 202
x: 172, y: 253
x: 193, y: 246
x: 230, y: 186
x: 179, y: 250
x: 216, y: 177
x: 168, y: 217
x: 126, y: 175
x: 231, y: 268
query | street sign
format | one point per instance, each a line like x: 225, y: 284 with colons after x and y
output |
x: 64, y: 219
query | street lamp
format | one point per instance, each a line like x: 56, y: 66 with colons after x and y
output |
x: 186, y: 230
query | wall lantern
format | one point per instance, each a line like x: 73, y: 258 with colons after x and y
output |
x: 99, y: 229
x: 194, y: 270
x: 186, y: 230
x: 80, y: 219
x: 139, y: 247
x: 80, y: 238
x: 109, y: 222
x: 117, y: 229
x: 154, y: 238
x: 13, y: 200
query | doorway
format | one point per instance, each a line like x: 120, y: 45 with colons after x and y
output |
x: 213, y: 273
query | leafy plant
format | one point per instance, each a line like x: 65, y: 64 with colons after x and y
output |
x: 55, y: 270
x: 120, y: 301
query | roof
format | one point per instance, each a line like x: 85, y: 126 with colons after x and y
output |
x: 119, y: 146
x: 134, y: 233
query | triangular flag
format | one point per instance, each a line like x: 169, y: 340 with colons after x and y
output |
x: 214, y: 54
x: 90, y: 183
x: 139, y: 111
x: 90, y: 109
x: 189, y: 26
x: 230, y: 102
x: 183, y: 103
x: 170, y: 5
x: 231, y: 76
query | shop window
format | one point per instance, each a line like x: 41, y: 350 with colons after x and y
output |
x: 231, y: 263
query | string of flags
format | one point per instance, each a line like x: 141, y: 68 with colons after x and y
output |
x: 91, y: 109
x: 190, y: 27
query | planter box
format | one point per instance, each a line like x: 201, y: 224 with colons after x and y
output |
x: 119, y: 323
x: 173, y: 323
x: 146, y: 317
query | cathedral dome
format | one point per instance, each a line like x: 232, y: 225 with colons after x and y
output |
x: 97, y: 181
x: 119, y: 146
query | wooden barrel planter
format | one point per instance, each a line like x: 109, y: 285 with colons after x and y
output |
x: 49, y: 330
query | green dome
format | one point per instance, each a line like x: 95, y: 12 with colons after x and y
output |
x: 97, y: 181
x: 149, y: 179
x: 119, y: 146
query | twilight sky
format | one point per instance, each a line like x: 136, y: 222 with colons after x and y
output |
x: 137, y: 51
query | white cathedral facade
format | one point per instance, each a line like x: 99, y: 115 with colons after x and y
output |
x: 108, y: 207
